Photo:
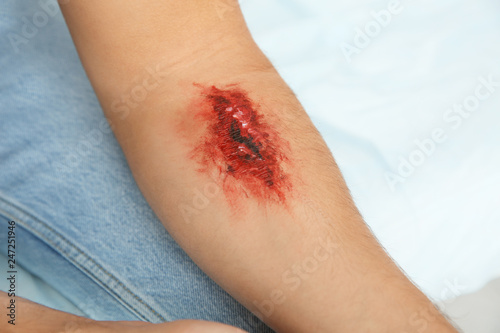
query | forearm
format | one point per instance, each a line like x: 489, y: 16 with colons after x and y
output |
x: 275, y: 226
x: 305, y: 261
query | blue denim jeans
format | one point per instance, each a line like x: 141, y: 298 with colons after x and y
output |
x: 82, y: 224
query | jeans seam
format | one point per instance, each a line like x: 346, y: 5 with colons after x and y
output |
x: 77, y: 264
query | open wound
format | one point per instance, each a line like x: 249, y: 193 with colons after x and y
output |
x: 241, y: 146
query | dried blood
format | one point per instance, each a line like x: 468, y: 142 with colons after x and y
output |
x: 241, y: 145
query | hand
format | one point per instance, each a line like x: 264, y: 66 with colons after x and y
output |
x: 33, y: 317
x: 180, y: 326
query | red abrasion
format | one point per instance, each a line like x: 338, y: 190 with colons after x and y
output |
x: 241, y: 145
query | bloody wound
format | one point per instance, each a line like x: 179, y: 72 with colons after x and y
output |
x: 242, y: 145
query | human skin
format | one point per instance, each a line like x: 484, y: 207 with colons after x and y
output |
x: 303, y: 261
x: 32, y: 317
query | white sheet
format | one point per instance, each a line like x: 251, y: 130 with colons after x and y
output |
x: 441, y: 225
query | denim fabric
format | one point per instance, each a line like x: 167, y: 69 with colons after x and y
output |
x: 83, y: 226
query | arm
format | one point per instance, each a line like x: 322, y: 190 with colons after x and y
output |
x: 235, y: 170
x: 32, y: 317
